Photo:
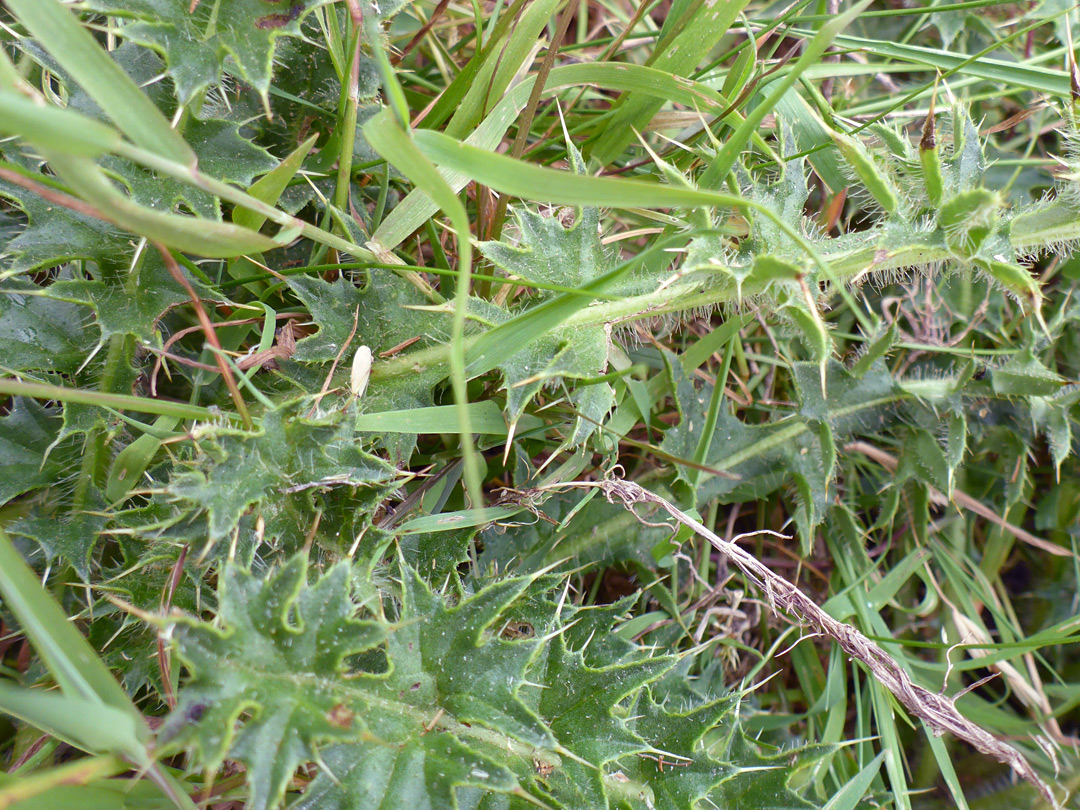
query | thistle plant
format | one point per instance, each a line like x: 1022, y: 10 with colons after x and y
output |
x: 385, y: 402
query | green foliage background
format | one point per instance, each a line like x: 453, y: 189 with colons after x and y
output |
x: 308, y: 308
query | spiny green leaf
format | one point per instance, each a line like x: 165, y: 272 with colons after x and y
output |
x: 1025, y: 375
x: 129, y: 301
x: 685, y: 773
x: 764, y: 774
x: 58, y: 30
x: 287, y: 454
x: 425, y: 772
x: 279, y: 653
x: 875, y: 350
x: 924, y: 456
x: 475, y: 677
x: 968, y: 218
x: 551, y: 252
x: 223, y: 154
x: 869, y: 171
x: 27, y: 432
x: 580, y: 701
x: 54, y: 234
x: 196, y: 44
x: 41, y: 334
x: 799, y: 449
x: 379, y: 311
x: 71, y: 537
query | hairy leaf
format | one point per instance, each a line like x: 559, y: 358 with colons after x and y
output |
x: 71, y: 537
x: 800, y: 449
x: 27, y: 433
x: 553, y: 253
x: 236, y: 471
x: 39, y: 333
x: 127, y: 301
x: 54, y: 234
x: 278, y: 653
x: 378, y: 311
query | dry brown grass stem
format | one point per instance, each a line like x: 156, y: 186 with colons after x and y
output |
x: 211, y: 335
x: 937, y: 710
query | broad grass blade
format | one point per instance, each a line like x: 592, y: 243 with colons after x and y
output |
x: 68, y: 656
x: 74, y: 47
x: 484, y: 417
x: 54, y: 128
x: 82, y: 722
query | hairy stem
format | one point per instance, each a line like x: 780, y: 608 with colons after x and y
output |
x: 683, y: 297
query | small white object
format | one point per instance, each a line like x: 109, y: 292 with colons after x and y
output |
x: 361, y: 371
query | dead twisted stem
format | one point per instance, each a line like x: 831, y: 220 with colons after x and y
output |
x: 936, y: 710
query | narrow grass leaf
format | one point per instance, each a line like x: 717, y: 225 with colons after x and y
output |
x: 411, y: 212
x: 82, y: 722
x: 131, y: 462
x: 849, y: 796
x: 501, y: 65
x: 79, y: 772
x: 269, y: 187
x: 1011, y: 74
x: 392, y: 143
x: 707, y: 24
x: 733, y: 146
x: 68, y: 656
x: 507, y: 339
x: 54, y: 128
x: 696, y: 355
x: 531, y: 182
x: 948, y: 770
x: 449, y: 521
x: 55, y: 27
x: 450, y: 99
x: 121, y: 402
x: 484, y: 417
x: 202, y: 237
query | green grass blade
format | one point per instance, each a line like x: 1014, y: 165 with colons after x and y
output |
x: 202, y: 237
x: 120, y: 402
x: 812, y: 52
x: 500, y: 66
x: 507, y: 339
x: 131, y: 462
x: 449, y: 521
x: 54, y: 128
x: 269, y: 187
x: 81, y: 722
x: 411, y: 212
x: 450, y: 99
x: 392, y: 143
x: 59, y: 32
x: 531, y: 182
x: 1011, y: 74
x: 21, y: 792
x: 849, y: 796
x: 684, y: 51
x: 945, y: 763
x: 484, y: 417
x: 68, y: 656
